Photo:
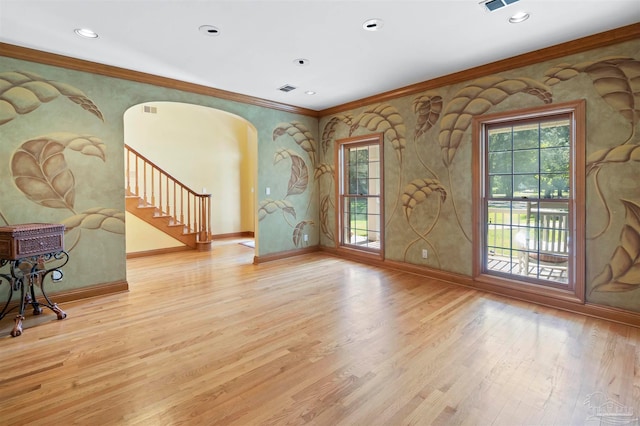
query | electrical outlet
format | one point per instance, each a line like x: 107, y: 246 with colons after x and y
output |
x: 56, y: 275
x: 305, y: 237
x: 425, y: 253
x: 267, y: 191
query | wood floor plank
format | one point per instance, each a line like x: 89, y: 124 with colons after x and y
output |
x: 211, y: 338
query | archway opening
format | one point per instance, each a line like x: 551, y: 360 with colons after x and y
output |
x: 208, y: 150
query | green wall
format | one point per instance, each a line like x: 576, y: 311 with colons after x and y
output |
x: 61, y: 155
x: 428, y: 137
x: 295, y: 161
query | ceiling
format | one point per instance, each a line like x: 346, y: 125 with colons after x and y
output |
x: 259, y: 41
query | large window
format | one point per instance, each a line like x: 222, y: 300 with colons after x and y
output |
x: 359, y: 162
x: 530, y: 186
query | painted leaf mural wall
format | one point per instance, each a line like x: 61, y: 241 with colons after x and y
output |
x: 294, y: 206
x: 41, y: 133
x: 69, y: 126
x: 61, y: 148
x: 428, y: 174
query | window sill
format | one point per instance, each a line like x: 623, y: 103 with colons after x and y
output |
x: 356, y: 253
x: 516, y: 288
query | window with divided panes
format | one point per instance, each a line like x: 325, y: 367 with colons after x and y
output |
x: 359, y: 162
x: 529, y: 182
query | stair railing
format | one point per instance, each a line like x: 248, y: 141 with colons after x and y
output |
x: 168, y: 195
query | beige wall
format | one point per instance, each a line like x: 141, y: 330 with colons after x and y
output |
x: 208, y: 150
x: 143, y: 237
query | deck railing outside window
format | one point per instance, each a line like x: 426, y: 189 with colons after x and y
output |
x: 528, y: 238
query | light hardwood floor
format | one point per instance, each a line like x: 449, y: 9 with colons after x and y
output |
x: 207, y: 338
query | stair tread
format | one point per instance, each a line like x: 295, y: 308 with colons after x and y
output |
x: 146, y: 211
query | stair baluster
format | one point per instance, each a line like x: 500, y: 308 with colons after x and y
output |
x: 184, y: 210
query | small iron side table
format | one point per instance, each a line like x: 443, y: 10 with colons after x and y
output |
x: 33, y: 252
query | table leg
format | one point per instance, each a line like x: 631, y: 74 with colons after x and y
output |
x: 53, y: 306
x: 17, y: 327
x: 59, y: 312
x: 32, y: 278
x: 9, y: 282
x: 37, y: 309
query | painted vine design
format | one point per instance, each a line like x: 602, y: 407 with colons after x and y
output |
x: 327, y: 205
x: 622, y: 273
x: 386, y: 119
x: 476, y: 99
x: 38, y: 166
x: 415, y: 193
x: 298, y: 178
x: 23, y: 92
x: 616, y: 81
x: 427, y: 109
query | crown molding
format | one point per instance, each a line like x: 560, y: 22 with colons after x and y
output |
x: 32, y: 55
x: 607, y: 38
x: 618, y: 35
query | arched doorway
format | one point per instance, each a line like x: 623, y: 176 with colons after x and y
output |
x: 210, y: 151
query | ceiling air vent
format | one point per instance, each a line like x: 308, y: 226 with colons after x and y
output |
x: 491, y: 5
x: 150, y: 109
x: 286, y: 88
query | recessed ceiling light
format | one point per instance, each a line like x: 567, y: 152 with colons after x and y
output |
x: 209, y: 30
x: 519, y: 17
x: 85, y: 32
x: 310, y: 92
x: 301, y: 62
x: 373, y: 24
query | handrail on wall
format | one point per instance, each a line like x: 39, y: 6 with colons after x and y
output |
x: 168, y: 195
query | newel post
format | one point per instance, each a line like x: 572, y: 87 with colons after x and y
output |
x: 205, y: 217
